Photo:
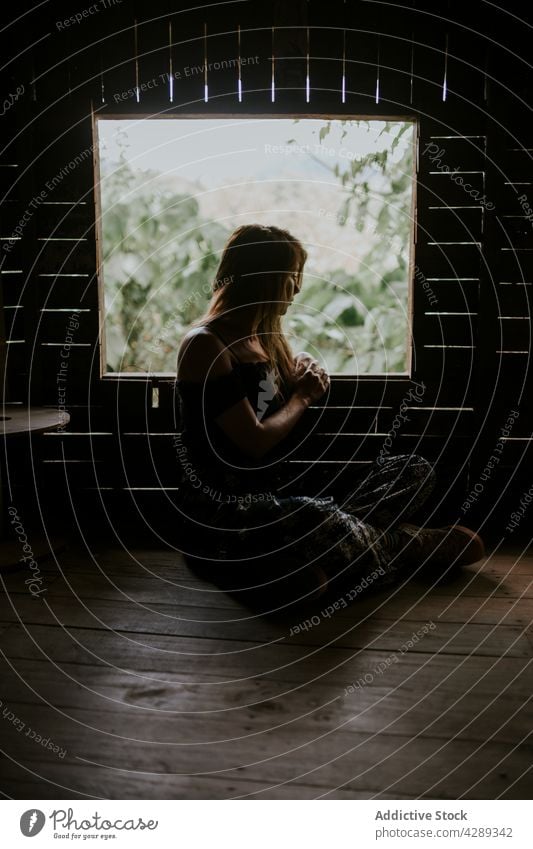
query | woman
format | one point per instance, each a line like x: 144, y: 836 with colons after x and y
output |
x: 241, y: 392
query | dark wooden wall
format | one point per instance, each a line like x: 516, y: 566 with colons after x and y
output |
x: 459, y: 67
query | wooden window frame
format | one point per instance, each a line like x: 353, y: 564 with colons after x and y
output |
x: 397, y: 377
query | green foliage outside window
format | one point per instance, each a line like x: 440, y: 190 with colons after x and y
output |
x: 160, y: 255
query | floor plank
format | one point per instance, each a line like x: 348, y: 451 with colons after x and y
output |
x: 163, y: 587
x: 238, y: 622
x: 440, y: 696
x: 51, y: 783
x: 452, y: 768
x: 157, y: 684
x: 131, y: 649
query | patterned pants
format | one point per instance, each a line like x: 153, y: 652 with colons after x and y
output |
x: 350, y: 539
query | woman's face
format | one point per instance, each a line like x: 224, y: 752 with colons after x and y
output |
x: 293, y: 287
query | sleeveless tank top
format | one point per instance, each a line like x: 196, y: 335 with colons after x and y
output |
x: 210, y: 461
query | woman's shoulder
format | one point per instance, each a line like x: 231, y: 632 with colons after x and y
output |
x: 201, y: 354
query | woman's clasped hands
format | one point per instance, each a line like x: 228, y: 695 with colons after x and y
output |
x: 312, y: 380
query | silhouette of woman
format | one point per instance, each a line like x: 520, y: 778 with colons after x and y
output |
x: 240, y: 393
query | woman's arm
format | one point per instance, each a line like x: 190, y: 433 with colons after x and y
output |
x: 202, y: 357
x: 255, y: 437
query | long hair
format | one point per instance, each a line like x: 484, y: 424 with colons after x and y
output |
x: 254, y: 271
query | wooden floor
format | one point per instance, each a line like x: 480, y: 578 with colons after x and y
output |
x: 152, y: 683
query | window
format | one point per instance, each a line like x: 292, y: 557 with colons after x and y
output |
x: 173, y: 189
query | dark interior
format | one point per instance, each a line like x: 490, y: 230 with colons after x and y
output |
x: 104, y: 483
